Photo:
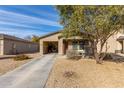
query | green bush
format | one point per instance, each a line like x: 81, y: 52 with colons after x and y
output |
x: 21, y: 57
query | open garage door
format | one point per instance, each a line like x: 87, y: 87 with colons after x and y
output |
x: 50, y: 47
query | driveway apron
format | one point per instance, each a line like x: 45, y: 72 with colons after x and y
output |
x: 33, y: 74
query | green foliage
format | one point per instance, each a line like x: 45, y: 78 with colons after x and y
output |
x: 95, y: 23
x: 32, y: 38
x: 21, y: 57
x: 97, y: 20
x: 35, y: 39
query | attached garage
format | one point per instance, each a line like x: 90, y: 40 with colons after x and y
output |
x: 50, y: 43
x: 50, y: 47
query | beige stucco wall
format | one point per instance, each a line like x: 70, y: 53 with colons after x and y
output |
x: 60, y: 47
x: 70, y: 45
x: 112, y: 44
x: 12, y: 47
x: 41, y: 46
x: 1, y: 47
x: 50, y: 39
x: 45, y: 47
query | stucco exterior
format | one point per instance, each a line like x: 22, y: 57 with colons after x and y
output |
x: 112, y: 45
x: 51, y: 38
x: 10, y: 45
x: 1, y: 47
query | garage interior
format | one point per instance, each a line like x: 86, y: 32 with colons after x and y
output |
x: 50, y: 47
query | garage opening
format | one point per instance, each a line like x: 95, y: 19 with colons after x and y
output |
x: 50, y: 47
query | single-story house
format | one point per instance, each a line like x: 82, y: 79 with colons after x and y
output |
x: 51, y: 43
x: 10, y: 45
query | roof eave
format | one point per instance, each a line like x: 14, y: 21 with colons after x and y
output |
x: 49, y: 34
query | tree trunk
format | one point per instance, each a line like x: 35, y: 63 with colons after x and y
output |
x: 96, y: 54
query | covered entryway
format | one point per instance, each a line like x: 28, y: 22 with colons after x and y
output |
x: 50, y: 47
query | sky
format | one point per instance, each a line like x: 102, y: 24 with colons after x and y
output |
x: 22, y: 21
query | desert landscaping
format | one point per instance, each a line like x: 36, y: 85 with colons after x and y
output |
x: 62, y: 46
x: 7, y: 64
x: 85, y: 73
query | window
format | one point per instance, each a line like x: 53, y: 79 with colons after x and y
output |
x: 81, y: 45
x: 75, y: 45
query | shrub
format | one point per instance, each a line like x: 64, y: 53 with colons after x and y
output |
x: 114, y: 57
x: 72, y: 54
x: 21, y: 57
x: 69, y: 74
x: 108, y: 56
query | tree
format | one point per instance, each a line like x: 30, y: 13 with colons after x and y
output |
x: 97, y: 22
x: 35, y: 38
x: 32, y: 38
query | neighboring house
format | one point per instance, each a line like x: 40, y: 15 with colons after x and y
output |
x: 51, y: 43
x: 13, y: 45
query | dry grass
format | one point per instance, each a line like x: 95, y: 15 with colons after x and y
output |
x: 9, y: 64
x: 87, y: 74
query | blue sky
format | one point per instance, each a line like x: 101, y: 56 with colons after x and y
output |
x: 22, y: 21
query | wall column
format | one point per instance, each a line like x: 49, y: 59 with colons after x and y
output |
x: 60, y: 47
x: 122, y: 46
x: 1, y: 47
x: 41, y: 47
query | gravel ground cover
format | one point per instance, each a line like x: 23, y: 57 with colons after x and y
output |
x: 8, y: 64
x: 85, y: 73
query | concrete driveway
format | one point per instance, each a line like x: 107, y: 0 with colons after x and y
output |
x: 33, y: 74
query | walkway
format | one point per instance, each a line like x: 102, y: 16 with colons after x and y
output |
x: 30, y: 75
